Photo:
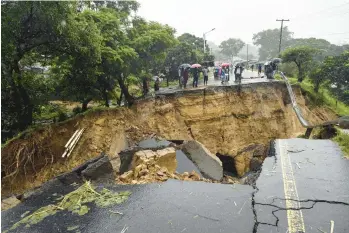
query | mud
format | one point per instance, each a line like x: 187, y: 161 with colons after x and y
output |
x: 222, y: 119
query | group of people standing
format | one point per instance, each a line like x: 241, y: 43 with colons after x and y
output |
x: 184, y: 75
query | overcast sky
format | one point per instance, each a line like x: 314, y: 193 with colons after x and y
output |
x: 328, y: 19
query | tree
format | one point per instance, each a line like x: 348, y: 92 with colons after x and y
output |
x: 268, y: 40
x: 196, y: 43
x: 301, y: 56
x: 336, y: 70
x: 28, y: 27
x: 326, y: 48
x: 231, y: 47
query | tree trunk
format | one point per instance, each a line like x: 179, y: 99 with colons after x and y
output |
x: 25, y: 114
x: 120, y: 98
x: 129, y: 98
x: 85, y: 103
x: 300, y: 73
x: 316, y: 87
x: 105, y: 93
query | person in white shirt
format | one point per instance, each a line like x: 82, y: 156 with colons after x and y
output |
x: 205, y: 73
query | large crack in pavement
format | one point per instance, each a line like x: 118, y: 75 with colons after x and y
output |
x: 303, y: 204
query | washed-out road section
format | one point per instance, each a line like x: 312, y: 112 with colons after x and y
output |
x: 303, y: 186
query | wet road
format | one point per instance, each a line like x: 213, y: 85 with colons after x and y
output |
x: 303, y: 188
x: 247, y: 77
x: 173, y: 206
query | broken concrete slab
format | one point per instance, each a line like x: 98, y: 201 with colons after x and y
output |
x: 152, y: 143
x: 185, y: 165
x: 9, y: 202
x: 208, y: 163
x: 167, y: 158
x: 101, y: 169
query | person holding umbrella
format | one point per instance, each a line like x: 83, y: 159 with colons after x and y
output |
x: 195, y: 70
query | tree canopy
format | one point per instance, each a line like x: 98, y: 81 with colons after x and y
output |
x: 231, y: 47
x: 85, y: 50
x: 301, y: 56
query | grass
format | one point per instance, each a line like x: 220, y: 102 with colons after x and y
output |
x: 343, y: 141
x: 323, y: 97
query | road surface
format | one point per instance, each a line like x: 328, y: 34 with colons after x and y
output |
x: 247, y: 77
x: 303, y: 186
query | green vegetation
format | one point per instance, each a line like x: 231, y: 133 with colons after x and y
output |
x: 343, y: 141
x: 322, y: 97
x: 302, y: 56
x: 75, y: 202
x: 82, y: 51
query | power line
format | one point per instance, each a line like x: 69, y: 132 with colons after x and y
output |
x: 317, y: 12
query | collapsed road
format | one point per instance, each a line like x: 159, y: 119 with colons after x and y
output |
x: 302, y: 187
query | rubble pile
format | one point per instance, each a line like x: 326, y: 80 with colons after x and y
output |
x: 149, y: 166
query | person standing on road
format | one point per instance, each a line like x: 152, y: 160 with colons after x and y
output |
x: 238, y: 72
x: 205, y: 73
x: 259, y: 69
x: 185, y: 77
x: 223, y: 76
x: 252, y: 67
x: 196, y: 77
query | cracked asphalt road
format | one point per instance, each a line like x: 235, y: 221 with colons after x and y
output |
x: 316, y: 182
x: 320, y: 174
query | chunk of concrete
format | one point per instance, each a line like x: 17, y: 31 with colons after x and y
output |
x: 8, y: 203
x: 208, y: 163
x: 167, y: 158
x: 102, y: 168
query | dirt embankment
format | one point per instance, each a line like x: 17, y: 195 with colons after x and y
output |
x: 224, y: 120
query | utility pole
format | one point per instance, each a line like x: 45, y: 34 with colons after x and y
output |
x: 282, y: 25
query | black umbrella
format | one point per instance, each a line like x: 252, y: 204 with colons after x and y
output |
x: 185, y: 66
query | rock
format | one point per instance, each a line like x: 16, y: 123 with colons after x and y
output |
x: 194, y: 176
x: 208, y: 163
x: 167, y: 158
x: 160, y: 173
x: 143, y: 157
x: 102, y: 168
x: 255, y: 153
x: 144, y: 172
x: 126, y: 177
x: 185, y: 174
x: 255, y: 164
x: 8, y: 203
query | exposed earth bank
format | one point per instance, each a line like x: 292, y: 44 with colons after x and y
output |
x: 226, y: 120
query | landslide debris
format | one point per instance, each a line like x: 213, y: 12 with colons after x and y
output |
x: 148, y: 166
x: 222, y: 119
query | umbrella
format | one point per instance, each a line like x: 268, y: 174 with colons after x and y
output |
x: 225, y: 64
x: 185, y: 66
x: 195, y: 66
x: 276, y: 60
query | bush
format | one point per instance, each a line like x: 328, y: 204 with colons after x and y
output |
x: 289, y: 69
x: 62, y: 116
x: 77, y: 110
x: 343, y: 141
